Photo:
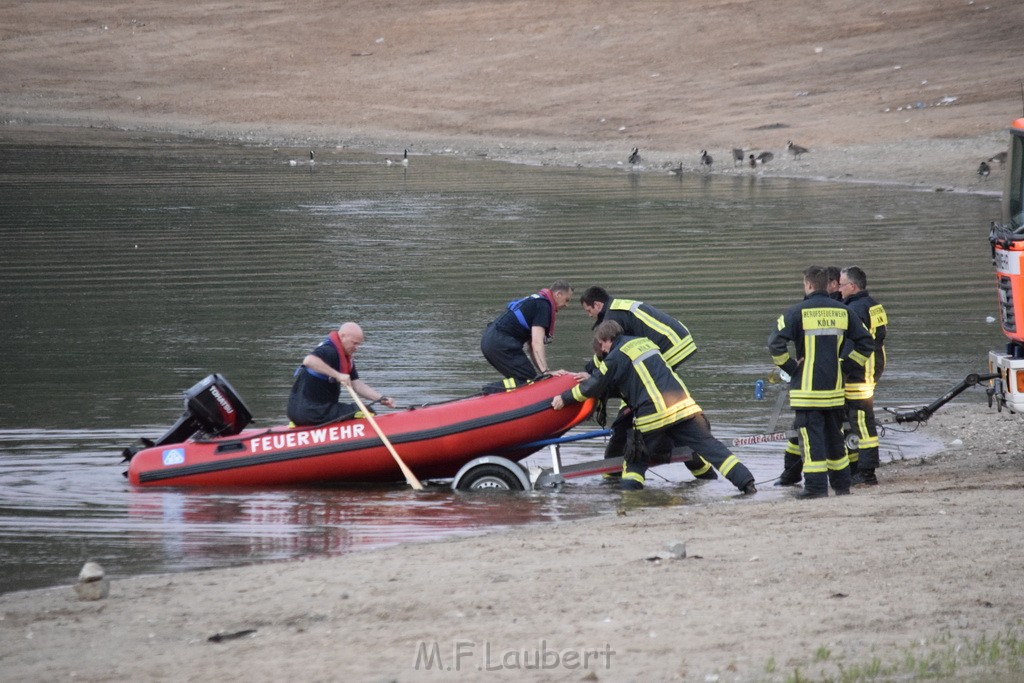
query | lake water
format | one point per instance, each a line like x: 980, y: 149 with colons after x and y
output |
x: 131, y: 267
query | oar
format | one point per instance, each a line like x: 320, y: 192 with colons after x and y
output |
x: 409, y: 476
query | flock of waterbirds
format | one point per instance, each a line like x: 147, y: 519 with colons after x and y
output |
x: 740, y: 156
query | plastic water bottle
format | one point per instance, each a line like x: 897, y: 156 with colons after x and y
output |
x: 759, y: 389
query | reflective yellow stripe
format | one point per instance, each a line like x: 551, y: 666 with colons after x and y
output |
x: 839, y: 464
x: 859, y: 391
x: 677, y: 413
x: 861, y: 426
x: 805, y: 398
x: 810, y: 466
x: 807, y: 371
x: 633, y: 476
x: 815, y: 467
x: 680, y: 348
x: 727, y: 465
x: 867, y: 442
x: 781, y: 359
x: 703, y: 469
x: 858, y: 357
x: 680, y: 352
x: 578, y: 395
x: 623, y: 305
x: 638, y: 350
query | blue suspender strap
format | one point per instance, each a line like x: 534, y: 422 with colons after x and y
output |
x: 515, y: 306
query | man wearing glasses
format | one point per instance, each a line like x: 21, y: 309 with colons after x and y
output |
x: 860, y: 381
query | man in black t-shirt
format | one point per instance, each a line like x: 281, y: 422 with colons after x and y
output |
x: 317, y: 388
x: 528, y: 322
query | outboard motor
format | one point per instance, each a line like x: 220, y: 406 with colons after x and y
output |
x: 212, y: 408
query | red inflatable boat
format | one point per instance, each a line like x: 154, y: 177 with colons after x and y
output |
x: 208, y: 447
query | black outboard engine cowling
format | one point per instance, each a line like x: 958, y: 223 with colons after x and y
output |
x: 217, y: 407
x: 212, y: 408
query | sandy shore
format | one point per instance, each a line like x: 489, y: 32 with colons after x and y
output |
x: 918, y: 575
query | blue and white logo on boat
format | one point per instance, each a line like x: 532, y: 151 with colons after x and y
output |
x: 174, y: 456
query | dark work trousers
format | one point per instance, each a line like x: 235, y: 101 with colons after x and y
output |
x: 861, y: 413
x: 824, y: 453
x: 622, y: 442
x: 695, y: 433
x: 506, y: 354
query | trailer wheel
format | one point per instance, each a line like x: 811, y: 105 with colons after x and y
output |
x: 490, y: 477
x: 853, y: 441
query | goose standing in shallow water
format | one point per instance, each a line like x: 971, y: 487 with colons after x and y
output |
x: 294, y: 162
x: 404, y: 161
x: 983, y: 170
x: 634, y: 157
x: 1000, y: 157
x: 706, y: 159
x: 797, y: 150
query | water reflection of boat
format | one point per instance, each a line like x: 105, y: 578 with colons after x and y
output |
x: 434, y: 441
x: 202, y: 528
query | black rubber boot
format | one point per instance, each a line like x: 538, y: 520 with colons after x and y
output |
x: 866, y: 477
x: 787, y: 479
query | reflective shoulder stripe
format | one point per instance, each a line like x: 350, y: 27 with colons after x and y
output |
x: 624, y: 305
x: 781, y: 322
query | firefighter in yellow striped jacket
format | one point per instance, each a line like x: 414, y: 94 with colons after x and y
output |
x: 817, y: 327
x: 663, y: 411
x: 639, y: 319
x: 861, y: 380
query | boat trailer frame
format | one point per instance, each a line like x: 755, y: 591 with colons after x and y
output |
x: 504, y: 473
